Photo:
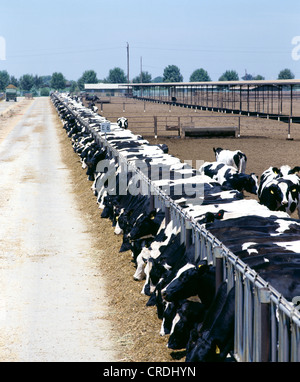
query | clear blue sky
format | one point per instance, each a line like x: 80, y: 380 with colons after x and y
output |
x: 71, y: 36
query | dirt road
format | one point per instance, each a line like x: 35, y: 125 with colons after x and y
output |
x: 52, y: 299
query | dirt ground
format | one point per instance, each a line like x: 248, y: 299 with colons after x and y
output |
x: 136, y: 326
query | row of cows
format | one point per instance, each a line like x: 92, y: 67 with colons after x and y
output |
x: 194, y: 315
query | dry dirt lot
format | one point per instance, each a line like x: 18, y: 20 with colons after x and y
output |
x: 137, y: 326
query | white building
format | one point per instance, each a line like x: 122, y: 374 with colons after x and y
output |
x: 107, y: 90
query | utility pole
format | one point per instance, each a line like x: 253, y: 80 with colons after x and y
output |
x: 128, y: 68
x: 141, y: 76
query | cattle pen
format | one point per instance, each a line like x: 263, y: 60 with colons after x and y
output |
x: 274, y: 99
x: 267, y: 327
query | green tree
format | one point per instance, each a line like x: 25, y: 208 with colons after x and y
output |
x: 146, y: 78
x: 286, y: 74
x: 250, y: 77
x: 199, y: 75
x: 4, y: 79
x: 38, y: 81
x: 46, y: 81
x: 247, y: 77
x: 74, y: 86
x: 45, y: 92
x: 157, y: 80
x: 116, y: 76
x: 258, y: 77
x: 229, y: 75
x: 26, y: 82
x: 172, y: 74
x: 58, y: 81
x: 14, y: 81
x: 88, y: 77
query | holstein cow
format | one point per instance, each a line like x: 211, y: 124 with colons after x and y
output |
x: 187, y: 315
x: 279, y: 189
x: 162, y: 239
x: 236, y: 158
x: 229, y: 177
x: 192, y: 280
x: 122, y: 122
x: 213, y: 339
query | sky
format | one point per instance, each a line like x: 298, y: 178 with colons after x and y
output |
x: 70, y: 36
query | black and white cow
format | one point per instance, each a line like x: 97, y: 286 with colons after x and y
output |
x: 254, y: 235
x: 187, y: 315
x: 192, y: 280
x: 162, y: 239
x: 236, y: 159
x: 229, y: 177
x: 213, y: 338
x: 122, y: 122
x: 279, y: 189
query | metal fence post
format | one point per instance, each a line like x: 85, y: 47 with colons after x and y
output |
x: 167, y: 213
x: 283, y: 337
x: 188, y: 234
x: 295, y: 342
x: 248, y: 321
x: 197, y: 245
x: 219, y: 266
x: 152, y: 203
x: 264, y: 298
x: 182, y: 229
x: 155, y: 127
x: 238, y: 321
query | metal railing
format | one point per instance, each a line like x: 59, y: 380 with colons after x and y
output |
x: 267, y: 326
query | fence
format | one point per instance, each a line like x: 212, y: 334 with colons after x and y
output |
x: 267, y: 326
x: 278, y: 99
x: 173, y: 125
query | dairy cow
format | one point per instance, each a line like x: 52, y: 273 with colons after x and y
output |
x: 213, y: 339
x: 279, y: 189
x: 192, y: 280
x: 236, y: 159
x: 122, y: 122
x: 229, y: 177
x: 188, y: 314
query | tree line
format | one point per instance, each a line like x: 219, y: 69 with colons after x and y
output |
x: 42, y: 85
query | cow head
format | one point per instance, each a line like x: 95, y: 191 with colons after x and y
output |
x: 146, y: 226
x: 187, y: 283
x: 217, y: 151
x: 251, y: 183
x: 123, y: 221
x: 122, y: 122
x: 281, y: 195
x: 188, y: 314
x: 213, y: 339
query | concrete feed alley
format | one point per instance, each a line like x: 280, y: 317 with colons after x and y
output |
x: 52, y: 299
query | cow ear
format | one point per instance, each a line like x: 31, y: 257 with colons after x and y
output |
x: 200, y: 263
x: 275, y: 170
x: 152, y: 214
x: 294, y: 170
